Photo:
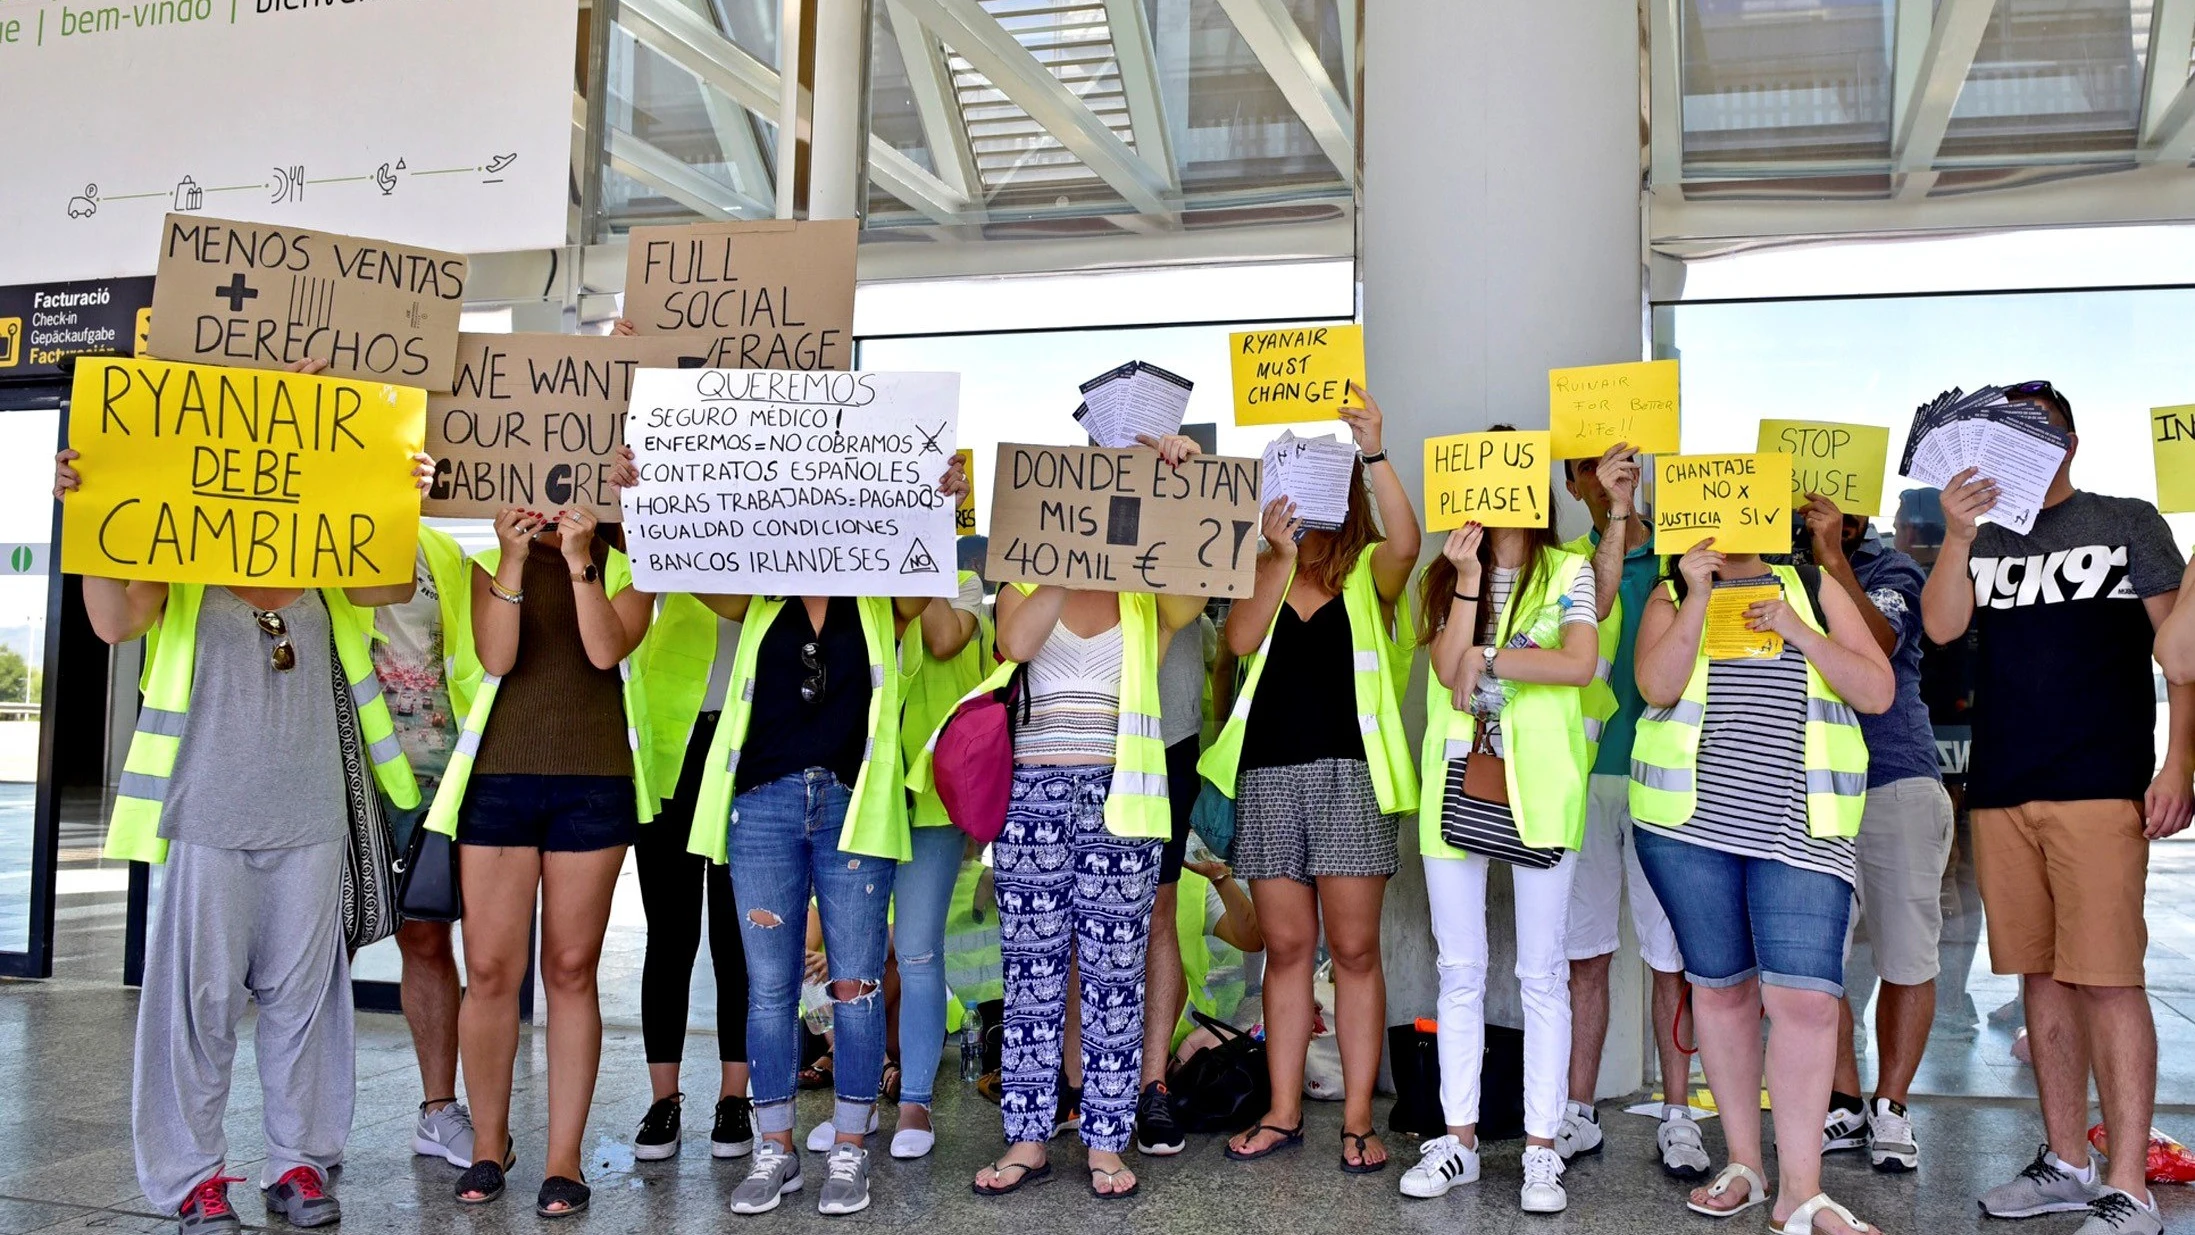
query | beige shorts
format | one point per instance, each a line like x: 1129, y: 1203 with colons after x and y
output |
x: 1903, y: 847
x: 2062, y: 885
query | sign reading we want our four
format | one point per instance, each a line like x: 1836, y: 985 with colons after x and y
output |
x: 195, y: 474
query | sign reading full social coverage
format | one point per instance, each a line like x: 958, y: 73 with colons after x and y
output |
x: 786, y: 483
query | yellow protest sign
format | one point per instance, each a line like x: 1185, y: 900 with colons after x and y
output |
x: 1593, y: 407
x: 2172, y: 437
x: 1498, y: 479
x: 253, y: 477
x: 1844, y: 463
x: 1301, y: 373
x: 1743, y: 501
x: 964, y: 515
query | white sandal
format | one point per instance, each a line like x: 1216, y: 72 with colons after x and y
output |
x: 1756, y: 1193
x: 1801, y: 1221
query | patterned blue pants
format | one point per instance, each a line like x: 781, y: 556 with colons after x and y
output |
x: 1067, y: 886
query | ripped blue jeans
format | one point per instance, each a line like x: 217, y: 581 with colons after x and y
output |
x: 783, y: 849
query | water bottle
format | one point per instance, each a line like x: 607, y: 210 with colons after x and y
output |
x: 971, y: 1045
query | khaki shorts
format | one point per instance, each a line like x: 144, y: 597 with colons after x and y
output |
x: 2062, y: 886
x: 1903, y: 846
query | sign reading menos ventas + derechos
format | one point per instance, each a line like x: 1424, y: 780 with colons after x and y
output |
x: 784, y: 483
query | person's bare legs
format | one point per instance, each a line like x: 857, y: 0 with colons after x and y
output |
x: 2122, y: 1033
x: 1801, y: 1064
x: 430, y: 992
x: 1728, y: 1020
x: 1676, y: 1066
x: 499, y: 886
x: 1588, y: 1024
x: 1164, y: 988
x: 1288, y: 914
x: 1902, y: 1017
x: 1351, y: 909
x: 2059, y: 1044
x: 575, y: 911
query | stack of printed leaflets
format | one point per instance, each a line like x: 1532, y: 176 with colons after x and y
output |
x: 2011, y: 443
x: 1314, y: 473
x: 1134, y: 401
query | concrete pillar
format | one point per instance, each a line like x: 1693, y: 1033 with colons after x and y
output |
x: 840, y: 126
x: 1500, y: 238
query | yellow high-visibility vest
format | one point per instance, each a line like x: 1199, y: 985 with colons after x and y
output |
x: 1600, y: 696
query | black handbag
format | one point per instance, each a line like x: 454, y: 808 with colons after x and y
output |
x: 1221, y: 1088
x: 427, y: 889
x: 368, y: 891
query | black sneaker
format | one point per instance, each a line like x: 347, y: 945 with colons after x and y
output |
x: 1067, y: 1116
x: 1157, y: 1135
x: 734, y: 1133
x: 658, y: 1135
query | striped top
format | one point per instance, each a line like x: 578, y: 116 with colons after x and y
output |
x: 1074, y: 698
x: 1579, y: 605
x: 1752, y: 767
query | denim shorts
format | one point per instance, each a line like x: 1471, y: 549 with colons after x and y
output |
x: 555, y: 814
x: 1739, y: 917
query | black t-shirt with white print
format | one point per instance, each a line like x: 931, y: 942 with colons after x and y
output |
x: 2065, y: 705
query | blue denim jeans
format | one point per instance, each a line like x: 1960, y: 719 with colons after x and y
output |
x: 922, y: 893
x: 783, y: 849
x: 1738, y: 917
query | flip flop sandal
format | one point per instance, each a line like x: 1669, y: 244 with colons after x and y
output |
x: 1029, y: 1175
x: 1801, y: 1221
x: 484, y: 1178
x: 572, y: 1194
x: 888, y: 1086
x: 816, y: 1075
x: 1288, y: 1137
x: 1756, y: 1192
x: 1122, y: 1194
x: 1362, y: 1166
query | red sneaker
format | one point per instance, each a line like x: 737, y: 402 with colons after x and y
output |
x: 208, y: 1211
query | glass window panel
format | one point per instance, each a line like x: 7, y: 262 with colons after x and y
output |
x: 2050, y: 75
x: 1785, y: 80
x: 26, y: 519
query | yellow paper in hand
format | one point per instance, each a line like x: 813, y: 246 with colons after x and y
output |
x: 1727, y: 636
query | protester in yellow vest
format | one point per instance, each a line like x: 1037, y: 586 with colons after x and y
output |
x: 1514, y: 626
x: 423, y: 657
x: 1321, y: 770
x: 1077, y: 865
x: 803, y: 794
x: 544, y: 793
x: 256, y: 701
x: 1748, y: 776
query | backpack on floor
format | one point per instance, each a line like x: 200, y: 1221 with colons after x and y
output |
x: 1221, y: 1088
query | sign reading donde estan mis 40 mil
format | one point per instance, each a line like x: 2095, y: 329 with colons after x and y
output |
x: 1124, y: 521
x: 777, y: 483
x: 197, y: 474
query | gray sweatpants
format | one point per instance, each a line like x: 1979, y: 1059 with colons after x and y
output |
x: 240, y: 925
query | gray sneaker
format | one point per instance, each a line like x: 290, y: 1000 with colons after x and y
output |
x: 208, y: 1212
x: 775, y: 1172
x: 300, y: 1198
x: 846, y: 1189
x: 2116, y: 1213
x: 2041, y: 1188
x: 446, y: 1133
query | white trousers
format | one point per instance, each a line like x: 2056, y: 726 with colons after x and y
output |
x: 1457, y: 891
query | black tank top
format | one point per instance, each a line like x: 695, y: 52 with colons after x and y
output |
x: 1306, y: 705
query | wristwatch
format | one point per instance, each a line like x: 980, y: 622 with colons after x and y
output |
x: 1490, y: 653
x: 587, y: 574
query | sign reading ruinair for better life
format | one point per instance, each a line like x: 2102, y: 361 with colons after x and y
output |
x: 1297, y: 374
x: 2172, y: 437
x: 1498, y: 479
x: 1743, y: 501
x: 196, y: 474
x: 1841, y: 462
x: 769, y: 482
x: 260, y: 296
x: 535, y: 420
x: 1592, y: 408
x: 1123, y: 521
x: 767, y: 294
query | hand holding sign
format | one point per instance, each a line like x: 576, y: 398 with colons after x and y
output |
x: 1495, y: 479
x: 1742, y: 501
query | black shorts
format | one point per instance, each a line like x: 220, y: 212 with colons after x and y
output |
x: 1182, y: 786
x: 555, y: 814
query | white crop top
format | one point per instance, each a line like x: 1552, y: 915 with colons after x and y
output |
x: 1074, y: 697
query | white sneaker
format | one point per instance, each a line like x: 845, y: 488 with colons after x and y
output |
x: 824, y: 1135
x: 1844, y: 1129
x: 1580, y: 1132
x: 1542, y: 1192
x: 1443, y: 1162
x: 1890, y: 1143
x: 445, y: 1132
x: 1683, y: 1156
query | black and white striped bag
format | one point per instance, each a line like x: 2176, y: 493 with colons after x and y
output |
x: 369, y: 867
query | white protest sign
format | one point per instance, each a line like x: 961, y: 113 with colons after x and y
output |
x: 772, y: 482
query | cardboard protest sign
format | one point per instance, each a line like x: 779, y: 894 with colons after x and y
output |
x: 1124, y: 521
x: 766, y: 294
x: 1497, y: 479
x: 2172, y: 439
x: 1594, y: 407
x: 787, y: 483
x: 1844, y: 463
x: 260, y: 296
x: 1302, y: 373
x: 534, y: 420
x: 199, y: 474
x: 1743, y: 501
x: 964, y: 515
